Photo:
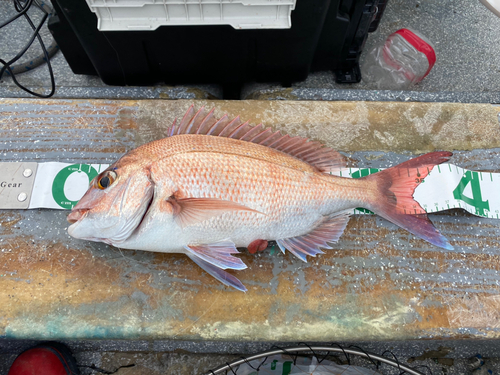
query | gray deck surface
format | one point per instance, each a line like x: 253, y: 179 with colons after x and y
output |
x: 464, y: 33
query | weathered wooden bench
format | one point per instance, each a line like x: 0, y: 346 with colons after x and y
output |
x: 378, y: 283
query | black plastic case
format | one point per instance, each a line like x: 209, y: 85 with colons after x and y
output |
x: 325, y: 35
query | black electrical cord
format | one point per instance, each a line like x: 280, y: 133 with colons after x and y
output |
x: 26, y: 66
x: 13, y: 18
x: 22, y: 11
x: 27, y: 45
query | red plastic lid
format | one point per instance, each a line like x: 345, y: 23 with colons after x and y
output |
x: 420, y: 45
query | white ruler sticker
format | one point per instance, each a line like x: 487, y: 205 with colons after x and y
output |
x: 449, y: 186
x: 61, y: 185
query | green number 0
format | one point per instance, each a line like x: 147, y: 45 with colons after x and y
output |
x: 60, y: 180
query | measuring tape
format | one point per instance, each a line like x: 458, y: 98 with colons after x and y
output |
x: 61, y: 185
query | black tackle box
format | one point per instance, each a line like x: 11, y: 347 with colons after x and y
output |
x: 324, y: 35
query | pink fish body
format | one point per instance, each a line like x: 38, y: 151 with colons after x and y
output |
x: 215, y: 185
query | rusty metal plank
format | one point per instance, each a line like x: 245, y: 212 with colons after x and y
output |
x: 73, y: 130
x: 379, y: 282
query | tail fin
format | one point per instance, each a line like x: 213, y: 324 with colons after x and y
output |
x: 397, y: 184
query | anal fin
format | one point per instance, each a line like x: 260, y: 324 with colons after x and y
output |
x: 329, y: 230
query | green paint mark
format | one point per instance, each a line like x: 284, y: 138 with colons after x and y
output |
x: 476, y: 201
x: 449, y: 166
x: 439, y: 169
x: 365, y: 211
x: 287, y: 368
x: 60, y: 180
x: 273, y: 364
x: 491, y: 177
x: 273, y: 250
x: 362, y: 173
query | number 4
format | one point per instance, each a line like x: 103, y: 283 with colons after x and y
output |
x: 476, y: 200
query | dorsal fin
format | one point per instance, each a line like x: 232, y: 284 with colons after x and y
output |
x: 311, y: 152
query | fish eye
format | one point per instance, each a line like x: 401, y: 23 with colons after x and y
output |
x: 106, y: 180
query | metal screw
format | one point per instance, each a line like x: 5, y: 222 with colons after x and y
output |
x: 27, y: 172
x: 22, y: 197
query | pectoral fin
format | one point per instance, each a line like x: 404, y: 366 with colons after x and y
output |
x: 189, y: 211
x: 214, y: 258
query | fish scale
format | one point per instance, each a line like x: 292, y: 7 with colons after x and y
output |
x: 291, y: 194
x: 229, y: 184
x: 282, y: 195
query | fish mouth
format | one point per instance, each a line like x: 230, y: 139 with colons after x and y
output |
x: 76, y: 215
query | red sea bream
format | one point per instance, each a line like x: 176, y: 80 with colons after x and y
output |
x: 217, y: 184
